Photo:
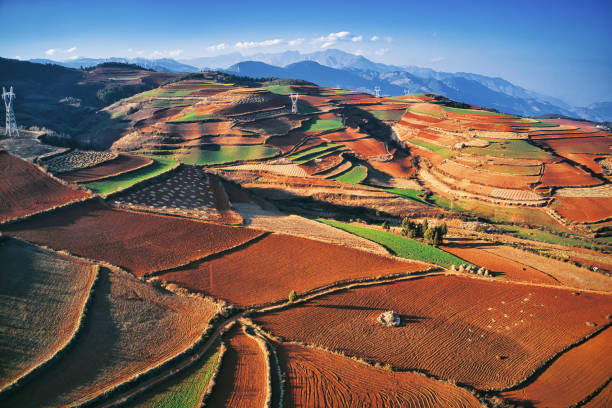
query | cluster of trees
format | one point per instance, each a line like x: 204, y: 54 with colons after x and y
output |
x: 431, y: 234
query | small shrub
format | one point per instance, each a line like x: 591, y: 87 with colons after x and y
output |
x: 292, y: 296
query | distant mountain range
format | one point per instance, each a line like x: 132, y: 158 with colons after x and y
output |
x: 336, y: 68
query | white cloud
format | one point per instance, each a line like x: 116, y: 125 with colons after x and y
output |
x: 380, y: 52
x: 175, y: 53
x: 156, y: 54
x: 331, y: 38
x: 357, y: 38
x: 359, y: 52
x: 438, y: 59
x: 17, y: 57
x: 375, y: 38
x: 253, y: 44
x: 53, y: 51
x: 327, y: 44
x: 295, y: 42
x: 388, y: 39
x: 217, y: 47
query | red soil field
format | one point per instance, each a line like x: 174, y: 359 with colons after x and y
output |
x: 587, y: 160
x: 564, y: 174
x: 384, y: 107
x: 367, y: 147
x: 573, y: 134
x: 568, y: 122
x: 315, y: 378
x: 433, y: 158
x: 322, y: 164
x: 399, y: 167
x: 578, y: 372
x: 25, y: 189
x: 499, y: 266
x: 344, y: 135
x: 286, y: 142
x: 586, y: 145
x: 483, y: 333
x: 603, y: 399
x: 583, y: 209
x: 413, y: 116
x: 121, y: 164
x: 242, y: 379
x: 268, y: 269
x: 130, y: 327
x: 140, y: 243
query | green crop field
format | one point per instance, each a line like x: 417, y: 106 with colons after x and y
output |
x: 440, y: 150
x: 334, y: 92
x: 216, y: 154
x: 280, y: 89
x: 354, y: 175
x: 111, y: 184
x: 321, y: 125
x: 543, y: 236
x: 543, y: 124
x: 407, y: 193
x: 515, y: 149
x: 400, y: 246
x: 311, y: 153
x: 474, y: 111
x: 191, y: 117
x: 183, y: 391
x: 390, y: 115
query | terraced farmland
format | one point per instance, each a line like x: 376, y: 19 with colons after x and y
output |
x: 486, y: 334
x: 131, y: 328
x: 43, y: 299
x: 26, y: 189
x: 316, y: 378
x: 140, y: 243
x: 269, y: 268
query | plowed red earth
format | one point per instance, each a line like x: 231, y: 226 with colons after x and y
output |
x: 268, y: 269
x: 485, y: 334
x: 345, y: 134
x: 499, y: 266
x: 399, y: 167
x: 603, y: 399
x: 367, y: 147
x: 587, y: 160
x: 578, y: 372
x: 242, y: 379
x: 287, y: 142
x: 140, y: 243
x: 315, y: 378
x: 25, y: 189
x: 564, y: 174
x: 121, y: 164
x: 569, y: 122
x: 583, y: 209
x: 586, y: 145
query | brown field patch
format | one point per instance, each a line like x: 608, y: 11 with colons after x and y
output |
x: 486, y: 178
x: 400, y: 166
x: 583, y: 209
x: 584, y: 145
x: 25, y: 189
x: 483, y: 333
x: 130, y: 328
x: 315, y: 378
x: 346, y: 134
x: 141, y: 243
x: 587, y: 160
x: 504, y: 268
x: 268, y: 269
x: 242, y: 379
x: 603, y: 399
x: 367, y: 147
x: 578, y: 372
x: 564, y: 174
x: 564, y: 272
x: 43, y: 295
x: 121, y: 164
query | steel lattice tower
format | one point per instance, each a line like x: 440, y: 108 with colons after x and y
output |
x: 377, y: 90
x: 294, y: 99
x: 11, y: 123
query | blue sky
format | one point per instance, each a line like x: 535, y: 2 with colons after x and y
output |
x: 560, y: 48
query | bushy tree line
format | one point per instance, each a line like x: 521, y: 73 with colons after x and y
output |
x: 431, y: 234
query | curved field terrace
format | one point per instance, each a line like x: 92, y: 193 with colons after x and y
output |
x: 486, y: 334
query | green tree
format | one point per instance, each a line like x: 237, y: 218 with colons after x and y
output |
x: 424, y: 226
x: 443, y: 229
x: 385, y: 225
x: 428, y: 236
x: 292, y: 296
